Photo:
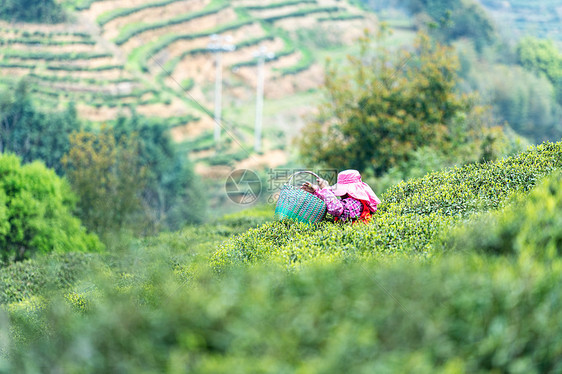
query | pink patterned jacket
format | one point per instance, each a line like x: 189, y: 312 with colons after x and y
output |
x: 345, y: 209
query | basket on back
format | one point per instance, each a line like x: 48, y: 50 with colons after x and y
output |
x: 297, y: 204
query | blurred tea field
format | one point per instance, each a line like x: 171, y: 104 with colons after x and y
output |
x: 460, y: 271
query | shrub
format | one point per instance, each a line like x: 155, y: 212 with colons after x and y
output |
x: 341, y: 17
x: 45, y: 42
x: 475, y: 187
x: 35, y: 210
x: 287, y: 51
x: 409, y: 219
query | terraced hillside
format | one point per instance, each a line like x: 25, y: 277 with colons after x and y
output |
x: 153, y: 55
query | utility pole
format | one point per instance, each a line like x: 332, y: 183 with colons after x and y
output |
x: 217, y: 45
x: 262, y: 55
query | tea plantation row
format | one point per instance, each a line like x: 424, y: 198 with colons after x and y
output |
x: 411, y: 216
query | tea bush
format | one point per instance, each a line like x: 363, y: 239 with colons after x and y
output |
x: 178, y: 252
x: 303, y: 13
x: 410, y: 217
x: 304, y: 63
x: 475, y: 187
x: 81, y: 4
x: 31, y: 278
x: 109, y: 16
x: 47, y: 56
x: 531, y: 227
x: 287, y: 51
x: 465, y: 314
x: 84, y: 68
x: 341, y: 17
x: 166, y: 40
x: 46, y: 42
x: 171, y: 64
x: 279, y: 4
x: 51, y: 34
x: 16, y: 65
x: 136, y: 29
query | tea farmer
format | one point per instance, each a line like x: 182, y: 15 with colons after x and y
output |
x: 358, y: 201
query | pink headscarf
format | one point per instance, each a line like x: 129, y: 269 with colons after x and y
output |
x: 349, y: 182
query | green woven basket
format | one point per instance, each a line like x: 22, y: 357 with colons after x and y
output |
x: 297, y: 204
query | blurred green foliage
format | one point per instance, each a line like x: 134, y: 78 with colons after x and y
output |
x: 464, y: 314
x: 132, y: 30
x: 113, y: 14
x: 170, y: 194
x: 178, y: 252
x: 35, y: 277
x: 36, y: 212
x: 523, y: 99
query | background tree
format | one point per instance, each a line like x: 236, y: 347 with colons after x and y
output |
x: 35, y: 212
x: 380, y: 110
x: 450, y: 20
x: 47, y: 11
x: 446, y: 20
x: 172, y: 195
x: 541, y: 56
x: 108, y: 177
x: 31, y: 133
x: 521, y: 98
